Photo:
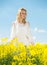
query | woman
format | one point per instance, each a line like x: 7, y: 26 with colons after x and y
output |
x: 21, y: 28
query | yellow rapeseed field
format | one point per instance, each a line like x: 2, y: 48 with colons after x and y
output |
x: 16, y: 53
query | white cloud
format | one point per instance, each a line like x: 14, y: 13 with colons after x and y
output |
x: 40, y: 30
x: 34, y: 37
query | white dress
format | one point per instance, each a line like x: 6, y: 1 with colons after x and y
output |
x: 22, y: 32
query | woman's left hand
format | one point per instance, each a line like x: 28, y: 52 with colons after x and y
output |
x: 32, y: 43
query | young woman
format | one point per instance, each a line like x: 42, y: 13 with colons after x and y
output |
x: 21, y: 28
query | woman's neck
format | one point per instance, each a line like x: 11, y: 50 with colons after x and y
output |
x: 20, y: 21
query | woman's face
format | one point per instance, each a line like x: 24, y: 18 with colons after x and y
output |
x: 23, y: 14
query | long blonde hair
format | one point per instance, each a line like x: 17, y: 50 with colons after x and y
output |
x: 19, y: 17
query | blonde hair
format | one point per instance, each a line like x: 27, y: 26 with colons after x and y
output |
x: 18, y: 15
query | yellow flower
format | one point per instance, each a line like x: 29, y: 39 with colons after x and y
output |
x: 32, y: 52
x: 14, y: 40
x: 4, y: 39
x: 13, y: 63
x: 15, y: 57
x: 39, y: 50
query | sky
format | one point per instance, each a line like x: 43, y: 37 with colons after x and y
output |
x: 36, y: 15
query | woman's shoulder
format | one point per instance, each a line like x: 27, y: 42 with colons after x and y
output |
x: 27, y: 23
x: 14, y: 23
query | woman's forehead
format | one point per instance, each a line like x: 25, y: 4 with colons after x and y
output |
x: 23, y: 11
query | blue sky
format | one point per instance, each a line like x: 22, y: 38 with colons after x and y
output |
x: 37, y: 16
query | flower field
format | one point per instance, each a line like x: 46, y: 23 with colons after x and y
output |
x: 16, y: 53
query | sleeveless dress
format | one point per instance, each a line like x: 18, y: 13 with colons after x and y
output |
x: 22, y: 32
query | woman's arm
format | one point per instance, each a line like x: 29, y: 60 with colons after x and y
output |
x: 29, y: 35
x: 13, y: 31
